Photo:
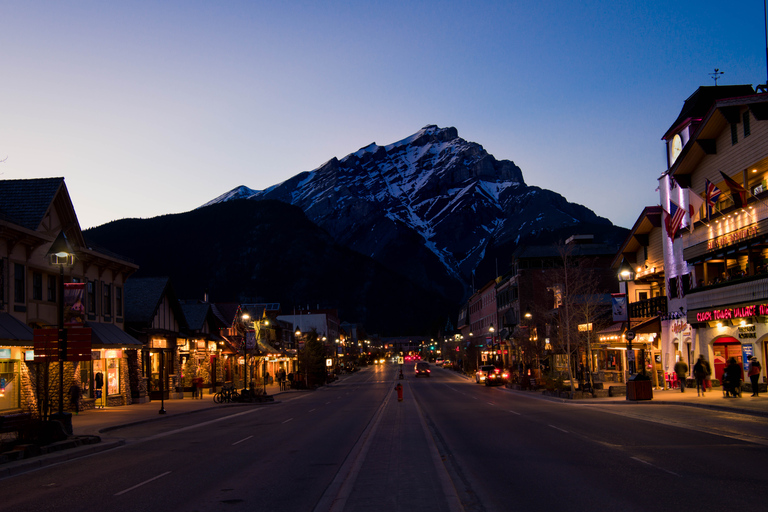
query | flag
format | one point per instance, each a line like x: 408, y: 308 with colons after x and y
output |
x: 695, y: 202
x: 738, y: 192
x: 674, y: 219
x: 713, y: 194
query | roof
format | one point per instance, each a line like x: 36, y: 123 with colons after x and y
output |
x: 196, y: 314
x: 144, y: 295
x: 25, y: 202
x: 110, y: 334
x: 13, y: 329
x: 700, y: 102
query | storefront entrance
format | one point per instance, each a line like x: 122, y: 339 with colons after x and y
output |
x: 724, y: 349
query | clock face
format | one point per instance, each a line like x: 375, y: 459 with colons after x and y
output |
x: 676, y: 147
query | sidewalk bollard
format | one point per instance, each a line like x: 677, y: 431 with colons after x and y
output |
x: 399, y: 389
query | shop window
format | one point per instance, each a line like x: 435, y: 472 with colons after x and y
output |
x: 52, y: 288
x: 745, y: 122
x: 113, y: 376
x: 37, y: 286
x: 10, y: 380
x: 18, y: 283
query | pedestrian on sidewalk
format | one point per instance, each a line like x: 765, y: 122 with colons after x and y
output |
x: 74, y: 397
x: 700, y: 374
x: 199, y: 387
x: 732, y: 379
x: 681, y: 369
x: 754, y: 375
x: 98, y: 384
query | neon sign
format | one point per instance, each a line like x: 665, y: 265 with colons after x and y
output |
x: 715, y: 315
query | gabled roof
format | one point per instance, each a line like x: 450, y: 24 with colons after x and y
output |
x: 25, y: 202
x: 226, y: 312
x: 144, y: 295
x: 700, y: 102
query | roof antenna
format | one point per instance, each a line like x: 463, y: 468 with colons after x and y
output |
x: 716, y: 75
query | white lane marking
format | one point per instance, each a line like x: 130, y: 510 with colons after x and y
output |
x: 654, y: 466
x: 311, y: 410
x: 491, y: 403
x: 556, y: 428
x: 142, y: 483
x: 240, y: 441
x: 513, y: 412
x: 326, y: 403
x: 286, y: 421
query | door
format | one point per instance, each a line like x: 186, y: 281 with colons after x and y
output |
x: 724, y: 349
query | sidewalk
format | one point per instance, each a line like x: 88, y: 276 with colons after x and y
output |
x: 100, y: 421
x: 714, y: 399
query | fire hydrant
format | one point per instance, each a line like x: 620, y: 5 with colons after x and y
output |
x: 399, y: 389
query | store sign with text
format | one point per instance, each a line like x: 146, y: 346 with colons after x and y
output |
x: 715, y: 315
x: 731, y: 238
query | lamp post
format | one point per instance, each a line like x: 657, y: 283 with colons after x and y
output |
x: 247, y: 381
x: 528, y: 316
x: 493, y: 342
x: 61, y: 254
x: 626, y: 275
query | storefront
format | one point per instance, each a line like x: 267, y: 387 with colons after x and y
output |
x: 611, y: 354
x: 11, y: 360
x: 738, y: 332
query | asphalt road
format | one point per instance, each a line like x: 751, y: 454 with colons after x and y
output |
x: 450, y: 445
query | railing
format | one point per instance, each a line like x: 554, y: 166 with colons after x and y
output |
x: 750, y: 289
x: 648, y: 308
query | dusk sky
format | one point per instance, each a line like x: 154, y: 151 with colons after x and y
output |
x: 148, y: 108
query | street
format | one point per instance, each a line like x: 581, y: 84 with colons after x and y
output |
x: 450, y: 445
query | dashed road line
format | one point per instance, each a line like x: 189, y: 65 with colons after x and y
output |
x: 142, y: 483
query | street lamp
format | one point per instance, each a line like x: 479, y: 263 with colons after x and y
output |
x: 493, y: 342
x: 246, y: 378
x: 626, y: 275
x: 61, y: 254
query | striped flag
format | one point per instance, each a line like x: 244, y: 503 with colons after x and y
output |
x: 674, y: 219
x: 713, y: 194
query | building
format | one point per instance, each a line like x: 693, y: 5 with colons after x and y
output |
x: 34, y: 215
x: 716, y: 256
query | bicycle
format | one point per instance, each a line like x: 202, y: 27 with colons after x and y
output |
x: 228, y: 394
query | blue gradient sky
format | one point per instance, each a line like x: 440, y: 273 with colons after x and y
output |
x: 148, y: 108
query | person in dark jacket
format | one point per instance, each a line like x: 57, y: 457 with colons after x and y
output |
x: 681, y: 369
x: 74, y: 397
x: 732, y: 379
x: 700, y: 374
x: 754, y: 375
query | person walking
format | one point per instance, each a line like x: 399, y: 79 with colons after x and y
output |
x: 681, y: 369
x: 732, y: 379
x: 700, y: 374
x: 754, y: 375
x: 74, y: 397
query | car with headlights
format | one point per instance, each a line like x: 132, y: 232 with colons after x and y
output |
x: 422, y: 369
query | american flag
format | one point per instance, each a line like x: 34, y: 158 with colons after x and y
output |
x: 713, y: 194
x: 674, y: 219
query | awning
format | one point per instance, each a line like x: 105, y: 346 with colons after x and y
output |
x: 266, y: 348
x: 112, y: 335
x: 616, y: 328
x: 13, y: 329
x: 649, y: 326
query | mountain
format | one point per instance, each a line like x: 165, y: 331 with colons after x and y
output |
x: 433, y: 207
x: 268, y: 251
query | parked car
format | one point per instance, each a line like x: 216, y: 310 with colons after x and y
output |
x: 482, y: 373
x: 422, y: 368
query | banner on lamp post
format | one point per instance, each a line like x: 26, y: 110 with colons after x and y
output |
x: 619, y: 307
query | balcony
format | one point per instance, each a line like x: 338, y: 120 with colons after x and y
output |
x: 748, y: 289
x: 648, y: 308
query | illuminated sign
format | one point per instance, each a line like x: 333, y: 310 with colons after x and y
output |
x: 732, y: 237
x: 715, y: 315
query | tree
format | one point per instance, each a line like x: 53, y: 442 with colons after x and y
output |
x: 581, y: 301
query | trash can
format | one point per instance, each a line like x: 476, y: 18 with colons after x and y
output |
x: 639, y: 388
